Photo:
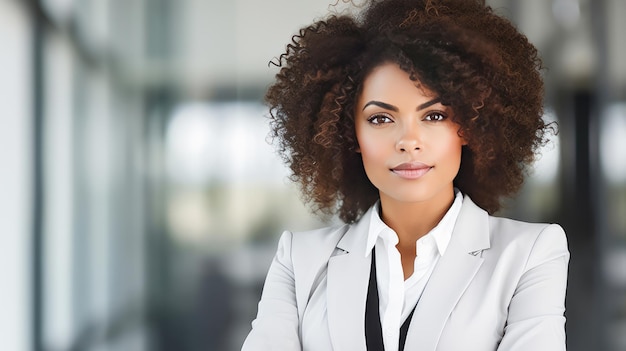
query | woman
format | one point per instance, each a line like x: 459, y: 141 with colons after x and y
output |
x: 411, y: 120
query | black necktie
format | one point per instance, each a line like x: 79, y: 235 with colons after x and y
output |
x: 373, y: 329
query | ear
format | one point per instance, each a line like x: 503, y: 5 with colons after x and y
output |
x: 463, y: 140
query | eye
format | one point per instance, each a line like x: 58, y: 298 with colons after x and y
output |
x: 435, y: 116
x: 380, y: 119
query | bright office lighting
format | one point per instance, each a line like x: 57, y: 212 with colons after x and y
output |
x: 613, y: 143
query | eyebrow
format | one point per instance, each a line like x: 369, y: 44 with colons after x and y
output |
x: 395, y: 109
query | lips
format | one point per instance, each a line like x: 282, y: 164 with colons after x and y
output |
x: 411, y: 170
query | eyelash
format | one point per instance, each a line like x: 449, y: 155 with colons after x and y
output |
x: 440, y: 115
x: 374, y: 118
x: 431, y: 117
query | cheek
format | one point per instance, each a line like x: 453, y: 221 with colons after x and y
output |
x: 453, y: 152
x: 370, y: 147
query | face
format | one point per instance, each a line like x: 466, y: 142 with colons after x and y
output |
x: 410, y: 147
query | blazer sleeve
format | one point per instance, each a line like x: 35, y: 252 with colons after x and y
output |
x: 536, y: 313
x: 276, y: 324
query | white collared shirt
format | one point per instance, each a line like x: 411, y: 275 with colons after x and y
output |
x: 397, y: 296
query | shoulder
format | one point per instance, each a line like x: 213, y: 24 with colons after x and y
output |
x: 481, y: 230
x: 313, y: 242
x: 321, y: 235
x: 506, y: 229
x: 537, y: 242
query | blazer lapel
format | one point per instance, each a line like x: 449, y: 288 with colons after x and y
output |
x: 348, y: 277
x: 452, y: 275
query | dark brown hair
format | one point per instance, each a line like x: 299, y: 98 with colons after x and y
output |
x: 476, y: 61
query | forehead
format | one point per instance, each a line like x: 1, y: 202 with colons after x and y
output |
x: 389, y: 81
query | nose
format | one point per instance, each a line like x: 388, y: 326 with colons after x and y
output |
x: 409, y: 140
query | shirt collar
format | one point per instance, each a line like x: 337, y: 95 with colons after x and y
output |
x: 442, y: 232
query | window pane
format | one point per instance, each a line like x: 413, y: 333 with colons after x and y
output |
x: 58, y: 223
x: 16, y: 175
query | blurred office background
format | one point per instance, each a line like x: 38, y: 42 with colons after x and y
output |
x: 140, y: 202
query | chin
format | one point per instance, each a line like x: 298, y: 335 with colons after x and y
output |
x: 409, y: 198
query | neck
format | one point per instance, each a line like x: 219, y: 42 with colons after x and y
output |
x: 413, y: 220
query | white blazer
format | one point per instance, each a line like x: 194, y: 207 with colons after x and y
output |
x: 499, y: 286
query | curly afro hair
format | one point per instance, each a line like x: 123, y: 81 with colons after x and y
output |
x: 476, y: 61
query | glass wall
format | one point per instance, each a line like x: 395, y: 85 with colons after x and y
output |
x: 90, y: 277
x: 16, y: 203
